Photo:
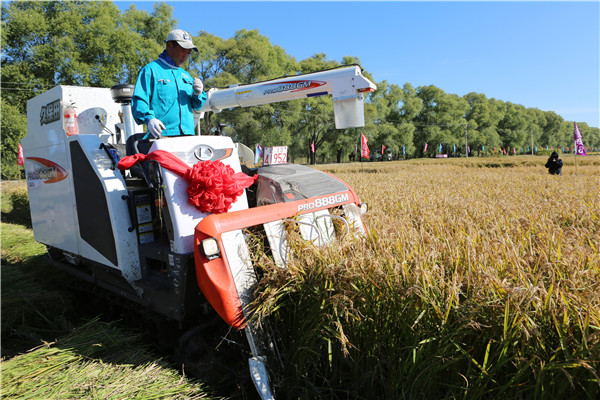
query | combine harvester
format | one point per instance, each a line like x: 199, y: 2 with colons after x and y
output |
x: 135, y: 233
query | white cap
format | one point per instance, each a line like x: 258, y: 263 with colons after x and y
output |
x: 183, y: 38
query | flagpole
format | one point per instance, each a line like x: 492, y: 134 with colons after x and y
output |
x: 466, y: 142
x: 531, y: 131
x: 575, y: 152
x: 360, y: 153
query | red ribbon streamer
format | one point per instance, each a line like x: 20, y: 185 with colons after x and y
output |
x: 212, y: 185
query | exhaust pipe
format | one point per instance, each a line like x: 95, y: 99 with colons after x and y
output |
x: 122, y: 94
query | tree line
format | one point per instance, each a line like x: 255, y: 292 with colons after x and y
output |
x: 83, y: 43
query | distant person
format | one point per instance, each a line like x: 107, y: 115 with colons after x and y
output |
x: 554, y: 164
x: 165, y: 94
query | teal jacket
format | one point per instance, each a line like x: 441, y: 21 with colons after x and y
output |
x: 166, y: 92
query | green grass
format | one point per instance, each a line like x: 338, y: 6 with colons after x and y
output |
x: 48, y: 351
x: 32, y: 309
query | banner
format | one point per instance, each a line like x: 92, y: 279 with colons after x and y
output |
x: 579, y: 148
x: 382, y: 148
x: 364, y: 149
x: 312, y: 146
x: 20, y: 157
x: 425, y: 151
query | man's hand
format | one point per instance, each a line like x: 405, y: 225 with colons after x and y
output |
x: 155, y: 127
x: 198, y: 86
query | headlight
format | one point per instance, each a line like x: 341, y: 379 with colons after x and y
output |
x: 364, y: 208
x: 210, y: 248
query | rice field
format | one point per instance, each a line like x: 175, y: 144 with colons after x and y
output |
x: 478, y: 279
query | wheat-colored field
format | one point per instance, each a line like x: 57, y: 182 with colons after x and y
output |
x: 478, y: 279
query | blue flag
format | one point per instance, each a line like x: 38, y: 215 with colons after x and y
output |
x: 403, y: 149
x: 257, y: 153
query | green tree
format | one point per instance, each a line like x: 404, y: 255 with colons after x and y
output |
x: 395, y: 108
x: 551, y: 132
x: 45, y: 44
x: 590, y: 135
x: 483, y: 116
x: 513, y: 127
x: 441, y: 120
x: 248, y: 57
x: 316, y: 116
x: 13, y: 123
x: 536, y: 120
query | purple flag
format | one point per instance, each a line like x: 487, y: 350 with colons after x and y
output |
x: 579, y: 148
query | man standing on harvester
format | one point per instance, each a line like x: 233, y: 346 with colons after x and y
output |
x: 165, y: 94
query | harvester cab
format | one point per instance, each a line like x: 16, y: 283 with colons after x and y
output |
x: 136, y: 233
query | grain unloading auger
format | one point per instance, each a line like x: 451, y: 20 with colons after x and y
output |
x: 135, y: 233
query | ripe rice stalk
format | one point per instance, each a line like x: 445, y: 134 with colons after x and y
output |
x: 469, y: 281
x: 96, y: 360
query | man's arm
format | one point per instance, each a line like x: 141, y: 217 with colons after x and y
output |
x: 140, y: 104
x: 198, y: 95
x: 198, y: 101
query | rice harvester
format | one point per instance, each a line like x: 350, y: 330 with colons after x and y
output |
x: 134, y: 231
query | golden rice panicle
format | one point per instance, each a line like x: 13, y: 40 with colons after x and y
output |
x: 475, y: 280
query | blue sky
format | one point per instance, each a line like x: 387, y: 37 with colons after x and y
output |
x: 540, y: 54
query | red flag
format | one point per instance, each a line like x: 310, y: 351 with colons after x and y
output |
x: 382, y: 148
x: 20, y: 157
x: 312, y: 146
x: 364, y: 149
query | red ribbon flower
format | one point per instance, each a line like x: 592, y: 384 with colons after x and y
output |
x: 212, y: 185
